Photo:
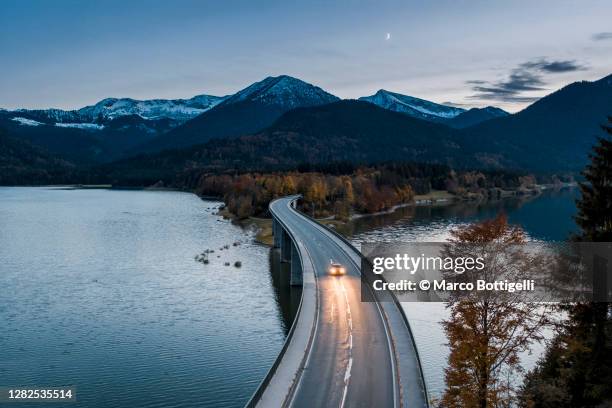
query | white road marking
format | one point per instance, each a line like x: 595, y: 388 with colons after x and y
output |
x: 347, y: 372
x: 380, y: 312
x: 347, y: 376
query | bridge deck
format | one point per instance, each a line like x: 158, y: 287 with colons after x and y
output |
x: 355, y: 354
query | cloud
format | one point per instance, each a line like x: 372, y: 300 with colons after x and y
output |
x: 458, y: 105
x: 509, y: 90
x: 602, y: 36
x: 553, y: 67
x: 527, y: 77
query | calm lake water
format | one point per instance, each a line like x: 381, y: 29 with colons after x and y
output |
x: 547, y: 217
x: 99, y: 289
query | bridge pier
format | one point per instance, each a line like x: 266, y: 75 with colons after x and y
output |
x: 288, y: 252
x: 290, y: 380
x: 296, y: 267
x: 285, y: 246
x: 276, y: 232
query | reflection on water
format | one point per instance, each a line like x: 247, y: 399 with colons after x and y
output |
x: 545, y: 217
x: 100, y: 290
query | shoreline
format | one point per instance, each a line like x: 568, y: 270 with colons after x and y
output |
x: 442, y: 198
x: 435, y: 198
x: 263, y: 226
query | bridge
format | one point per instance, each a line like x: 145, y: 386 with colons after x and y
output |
x: 340, y: 351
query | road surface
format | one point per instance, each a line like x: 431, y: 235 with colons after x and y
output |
x: 351, y: 361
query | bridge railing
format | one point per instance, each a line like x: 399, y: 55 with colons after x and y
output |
x: 393, y: 296
x: 257, y: 396
x: 263, y: 385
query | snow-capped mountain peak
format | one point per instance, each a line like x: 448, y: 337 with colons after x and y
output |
x: 180, y: 109
x: 283, y: 90
x: 416, y: 107
x: 26, y: 121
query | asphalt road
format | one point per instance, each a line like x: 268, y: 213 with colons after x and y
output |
x: 350, y: 363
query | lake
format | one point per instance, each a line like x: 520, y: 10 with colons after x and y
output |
x: 100, y: 290
x: 547, y: 217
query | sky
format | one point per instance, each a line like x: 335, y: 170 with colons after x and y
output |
x: 69, y: 54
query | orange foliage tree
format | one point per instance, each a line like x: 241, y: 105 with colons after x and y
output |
x: 488, y: 330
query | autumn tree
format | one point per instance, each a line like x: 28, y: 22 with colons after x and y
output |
x: 488, y: 330
x: 315, y: 192
x: 365, y: 190
x: 272, y: 184
x: 345, y: 198
x: 347, y: 185
x: 288, y: 186
x: 404, y: 193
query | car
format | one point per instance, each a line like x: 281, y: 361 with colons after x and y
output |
x: 336, y: 269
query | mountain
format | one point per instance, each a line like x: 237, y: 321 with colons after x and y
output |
x: 87, y: 143
x: 248, y: 111
x: 280, y: 122
x: 24, y: 164
x: 475, y: 116
x: 431, y: 111
x: 358, y: 131
x: 112, y: 108
x: 347, y: 130
x: 411, y: 106
x: 103, y: 131
x: 76, y: 144
x: 178, y: 109
x: 556, y: 132
x: 283, y: 91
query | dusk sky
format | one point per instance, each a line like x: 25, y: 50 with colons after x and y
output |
x: 69, y: 54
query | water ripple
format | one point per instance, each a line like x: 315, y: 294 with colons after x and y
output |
x: 100, y: 291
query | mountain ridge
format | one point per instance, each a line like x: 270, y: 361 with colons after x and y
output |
x: 555, y: 132
x: 111, y: 108
x: 412, y: 106
x: 474, y: 116
x: 346, y: 130
x: 247, y: 111
x: 21, y: 163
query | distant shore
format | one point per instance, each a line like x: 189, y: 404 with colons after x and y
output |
x: 440, y: 197
x: 263, y: 226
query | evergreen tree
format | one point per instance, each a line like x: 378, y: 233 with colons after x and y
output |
x: 595, y: 206
x: 577, y: 368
